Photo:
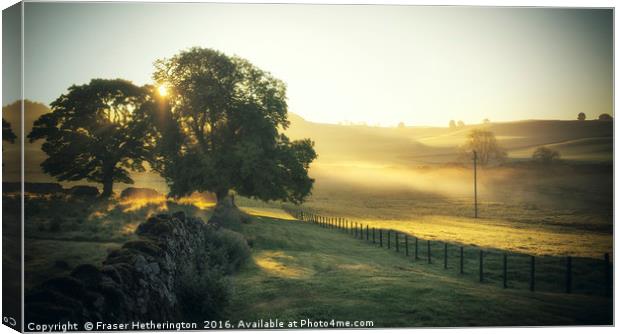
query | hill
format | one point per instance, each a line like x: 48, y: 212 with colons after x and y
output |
x: 411, y: 145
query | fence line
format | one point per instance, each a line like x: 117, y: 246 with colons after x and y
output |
x: 357, y: 230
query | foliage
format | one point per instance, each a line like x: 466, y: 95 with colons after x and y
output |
x: 203, y: 293
x: 227, y: 116
x: 7, y: 132
x: 452, y: 124
x: 204, y: 290
x: 605, y: 117
x: 484, y: 143
x: 581, y: 116
x: 227, y: 250
x: 98, y: 132
x: 460, y: 124
x: 545, y: 155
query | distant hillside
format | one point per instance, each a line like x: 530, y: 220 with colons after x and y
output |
x: 576, y: 140
x: 10, y: 152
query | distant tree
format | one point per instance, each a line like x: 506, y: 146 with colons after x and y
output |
x: 581, y: 116
x: 605, y: 117
x: 486, y: 121
x: 545, y: 155
x: 401, y: 125
x: 7, y: 132
x: 486, y: 147
x: 97, y: 132
x: 229, y: 116
x: 461, y: 124
x: 452, y: 124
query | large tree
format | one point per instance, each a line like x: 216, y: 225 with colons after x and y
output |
x: 484, y: 143
x: 223, y: 130
x: 97, y: 132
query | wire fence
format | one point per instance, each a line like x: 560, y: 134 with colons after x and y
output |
x: 508, y: 269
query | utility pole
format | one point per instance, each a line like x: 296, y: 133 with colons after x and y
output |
x: 475, y: 185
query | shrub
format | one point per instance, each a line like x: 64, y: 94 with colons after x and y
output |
x: 203, y: 293
x: 227, y: 250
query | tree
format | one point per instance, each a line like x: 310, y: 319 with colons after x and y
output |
x: 98, y: 132
x: 581, y: 117
x: 545, y: 155
x: 461, y: 124
x: 401, y: 125
x: 228, y: 116
x: 452, y: 124
x: 486, y: 121
x: 7, y: 132
x: 605, y: 117
x: 485, y: 145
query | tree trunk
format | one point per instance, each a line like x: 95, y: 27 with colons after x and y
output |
x: 226, y: 212
x: 224, y: 199
x: 108, y: 182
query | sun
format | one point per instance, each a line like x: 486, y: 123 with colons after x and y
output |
x: 162, y: 90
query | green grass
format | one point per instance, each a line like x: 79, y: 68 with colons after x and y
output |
x: 301, y: 271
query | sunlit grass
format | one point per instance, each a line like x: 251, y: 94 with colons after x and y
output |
x: 277, y: 263
x: 268, y: 212
x: 500, y: 234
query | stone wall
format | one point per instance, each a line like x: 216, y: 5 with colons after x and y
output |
x: 135, y: 283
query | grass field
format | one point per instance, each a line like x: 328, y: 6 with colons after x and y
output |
x: 301, y: 271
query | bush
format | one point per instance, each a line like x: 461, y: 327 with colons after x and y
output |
x: 203, y: 293
x: 227, y: 250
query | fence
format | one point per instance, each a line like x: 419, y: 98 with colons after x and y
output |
x: 510, y: 270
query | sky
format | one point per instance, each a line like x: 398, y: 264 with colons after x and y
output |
x: 375, y: 64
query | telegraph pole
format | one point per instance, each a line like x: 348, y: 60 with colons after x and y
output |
x: 475, y: 185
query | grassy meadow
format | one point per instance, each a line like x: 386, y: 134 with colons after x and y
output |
x: 410, y: 180
x: 300, y: 271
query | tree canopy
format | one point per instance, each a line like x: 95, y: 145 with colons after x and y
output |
x: 97, y: 132
x: 7, y: 132
x: 581, y: 116
x: 486, y: 146
x: 545, y: 155
x: 224, y: 130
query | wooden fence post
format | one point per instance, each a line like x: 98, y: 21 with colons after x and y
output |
x: 416, y: 248
x: 505, y: 270
x: 461, y: 260
x: 373, y: 235
x: 367, y: 233
x: 428, y: 250
x: 381, y: 238
x: 361, y: 232
x: 445, y: 255
x: 481, y: 268
x: 569, y: 278
x: 532, y: 270
x: 388, y: 238
x: 396, y: 242
x: 406, y: 245
x: 608, y: 278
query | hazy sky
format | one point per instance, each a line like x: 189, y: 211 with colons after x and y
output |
x: 378, y: 64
